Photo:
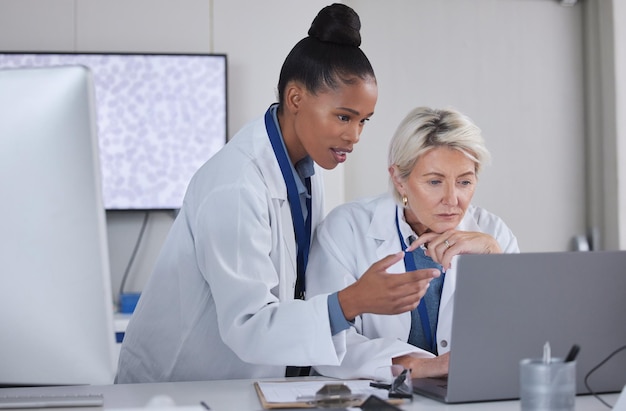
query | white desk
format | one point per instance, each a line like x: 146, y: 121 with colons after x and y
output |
x: 239, y: 395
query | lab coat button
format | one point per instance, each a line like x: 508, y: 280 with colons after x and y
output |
x: 444, y: 343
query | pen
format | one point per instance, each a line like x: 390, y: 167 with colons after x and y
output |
x: 205, y: 405
x: 573, y: 352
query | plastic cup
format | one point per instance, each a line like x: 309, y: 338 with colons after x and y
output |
x: 550, y: 386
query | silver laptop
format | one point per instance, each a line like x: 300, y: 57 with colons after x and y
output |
x: 508, y: 306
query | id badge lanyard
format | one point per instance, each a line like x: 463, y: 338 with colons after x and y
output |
x: 302, y: 227
x: 409, y: 264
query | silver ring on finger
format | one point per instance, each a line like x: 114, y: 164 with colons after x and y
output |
x: 447, y: 243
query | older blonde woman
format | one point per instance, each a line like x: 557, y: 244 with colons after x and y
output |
x: 434, y: 160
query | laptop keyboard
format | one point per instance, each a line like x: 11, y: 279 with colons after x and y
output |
x: 51, y: 401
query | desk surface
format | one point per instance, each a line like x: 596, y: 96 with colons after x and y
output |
x: 239, y: 395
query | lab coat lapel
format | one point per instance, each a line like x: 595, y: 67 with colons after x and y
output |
x: 383, y: 230
x: 278, y: 192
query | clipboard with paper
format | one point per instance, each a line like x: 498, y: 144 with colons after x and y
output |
x: 316, y: 393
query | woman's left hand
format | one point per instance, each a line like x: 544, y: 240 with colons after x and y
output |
x: 441, y: 247
x: 434, y: 367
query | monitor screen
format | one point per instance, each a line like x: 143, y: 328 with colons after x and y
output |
x: 56, y: 305
x: 160, y: 117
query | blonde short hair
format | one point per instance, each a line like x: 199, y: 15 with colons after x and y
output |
x: 426, y: 128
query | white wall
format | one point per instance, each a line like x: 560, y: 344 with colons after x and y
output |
x: 515, y: 66
x: 619, y: 14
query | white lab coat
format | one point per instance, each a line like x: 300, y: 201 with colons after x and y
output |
x: 353, y: 237
x: 220, y: 302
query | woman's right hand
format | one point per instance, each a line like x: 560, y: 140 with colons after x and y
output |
x: 378, y: 292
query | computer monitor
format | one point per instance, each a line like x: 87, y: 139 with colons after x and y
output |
x: 55, y: 290
x: 160, y: 117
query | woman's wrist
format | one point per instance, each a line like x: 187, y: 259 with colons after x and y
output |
x: 348, y: 303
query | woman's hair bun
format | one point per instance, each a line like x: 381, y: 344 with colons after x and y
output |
x: 337, y: 23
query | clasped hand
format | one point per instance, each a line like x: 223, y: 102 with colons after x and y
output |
x: 441, y: 247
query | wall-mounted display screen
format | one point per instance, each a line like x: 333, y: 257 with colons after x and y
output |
x: 160, y: 117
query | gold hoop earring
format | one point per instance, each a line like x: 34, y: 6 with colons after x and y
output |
x: 405, y: 201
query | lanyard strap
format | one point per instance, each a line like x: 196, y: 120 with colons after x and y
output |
x: 409, y: 264
x: 302, y: 228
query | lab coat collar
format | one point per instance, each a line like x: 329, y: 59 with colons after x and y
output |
x: 383, y: 229
x: 268, y: 165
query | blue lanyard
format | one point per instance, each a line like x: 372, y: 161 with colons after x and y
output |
x: 409, y: 264
x: 302, y: 228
